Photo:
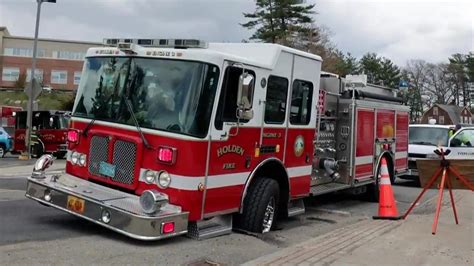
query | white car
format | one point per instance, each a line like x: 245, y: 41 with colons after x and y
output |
x: 425, y: 138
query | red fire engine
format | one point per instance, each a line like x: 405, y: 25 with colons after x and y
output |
x: 170, y: 137
x: 50, y: 130
x: 7, y: 117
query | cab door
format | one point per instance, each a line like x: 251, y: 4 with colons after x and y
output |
x: 462, y: 144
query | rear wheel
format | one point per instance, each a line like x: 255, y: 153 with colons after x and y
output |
x: 37, y: 150
x: 260, y: 206
x: 3, y: 151
x: 373, y: 192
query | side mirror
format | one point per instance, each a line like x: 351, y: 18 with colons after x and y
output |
x: 245, y: 96
x: 51, y: 122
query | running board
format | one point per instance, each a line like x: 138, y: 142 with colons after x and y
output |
x: 296, y: 207
x: 216, y: 226
x: 327, y: 188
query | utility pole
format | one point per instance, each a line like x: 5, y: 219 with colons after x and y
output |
x: 33, y: 90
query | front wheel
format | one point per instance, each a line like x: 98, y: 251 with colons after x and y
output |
x: 260, y: 206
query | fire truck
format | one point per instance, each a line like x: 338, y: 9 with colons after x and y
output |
x: 173, y: 136
x: 50, y: 130
x: 7, y: 117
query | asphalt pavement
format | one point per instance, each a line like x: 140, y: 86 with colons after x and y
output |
x: 56, y: 237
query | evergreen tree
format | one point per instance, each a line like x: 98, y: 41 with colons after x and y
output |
x: 379, y: 70
x: 280, y: 21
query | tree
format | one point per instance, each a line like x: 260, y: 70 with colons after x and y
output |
x: 379, y: 70
x: 438, y: 83
x: 415, y: 74
x: 279, y: 21
x: 20, y: 83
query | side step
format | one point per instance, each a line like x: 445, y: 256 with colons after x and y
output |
x: 326, y: 188
x: 216, y: 226
x: 296, y: 207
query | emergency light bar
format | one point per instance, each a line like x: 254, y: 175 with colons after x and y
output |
x: 167, y: 43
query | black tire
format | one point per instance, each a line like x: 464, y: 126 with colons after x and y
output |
x: 37, y: 150
x: 259, y: 195
x: 3, y: 151
x: 60, y: 154
x: 373, y: 193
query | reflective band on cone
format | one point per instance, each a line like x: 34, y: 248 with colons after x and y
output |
x: 387, y: 206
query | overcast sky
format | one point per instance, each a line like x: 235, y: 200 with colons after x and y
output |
x: 398, y: 29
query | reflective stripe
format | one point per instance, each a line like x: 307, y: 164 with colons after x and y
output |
x: 225, y: 180
x: 364, y: 160
x: 299, y: 171
x: 384, y: 181
x: 401, y: 154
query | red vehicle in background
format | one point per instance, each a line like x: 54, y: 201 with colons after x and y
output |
x: 7, y: 117
x: 50, y: 129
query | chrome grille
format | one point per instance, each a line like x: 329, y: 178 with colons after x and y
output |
x: 98, y: 152
x: 124, y: 160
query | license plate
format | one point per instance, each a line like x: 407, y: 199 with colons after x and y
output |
x: 107, y: 169
x: 75, y: 204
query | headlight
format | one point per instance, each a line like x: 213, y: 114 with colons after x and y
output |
x: 75, y: 157
x: 164, y: 179
x: 82, y: 160
x: 432, y: 156
x: 152, y: 200
x: 150, y: 176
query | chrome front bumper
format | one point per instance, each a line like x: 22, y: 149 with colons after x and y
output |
x: 126, y: 214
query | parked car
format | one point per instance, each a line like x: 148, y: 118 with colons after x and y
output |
x: 6, y: 142
x: 425, y: 138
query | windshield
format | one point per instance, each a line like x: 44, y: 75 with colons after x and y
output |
x: 164, y: 94
x: 429, y: 136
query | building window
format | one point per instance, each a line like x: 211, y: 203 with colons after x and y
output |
x: 300, y: 112
x: 38, y: 74
x: 77, y: 77
x: 10, y: 73
x: 59, y: 77
x: 69, y: 55
x: 435, y: 110
x: 441, y: 119
x: 275, y: 106
x: 27, y: 52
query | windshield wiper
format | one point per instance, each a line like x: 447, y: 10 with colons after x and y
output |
x: 422, y: 143
x: 128, y: 103
x: 137, y: 125
x: 88, y: 127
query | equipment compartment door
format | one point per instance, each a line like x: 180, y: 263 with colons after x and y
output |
x: 401, y: 138
x: 365, y: 138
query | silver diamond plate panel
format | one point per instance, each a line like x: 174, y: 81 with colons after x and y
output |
x: 124, y: 160
x: 98, y: 152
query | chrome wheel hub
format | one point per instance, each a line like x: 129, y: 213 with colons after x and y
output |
x: 269, y: 215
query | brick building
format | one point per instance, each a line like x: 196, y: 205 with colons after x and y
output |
x: 445, y: 114
x: 59, y: 62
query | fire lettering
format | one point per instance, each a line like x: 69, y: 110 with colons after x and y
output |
x: 230, y: 149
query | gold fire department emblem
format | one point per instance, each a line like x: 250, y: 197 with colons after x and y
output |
x: 299, y: 146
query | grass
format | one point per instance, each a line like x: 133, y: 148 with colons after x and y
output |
x: 46, y: 101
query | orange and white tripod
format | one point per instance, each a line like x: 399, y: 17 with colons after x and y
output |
x: 444, y: 169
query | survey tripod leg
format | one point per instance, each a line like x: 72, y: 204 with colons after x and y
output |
x: 440, y: 200
x: 450, y: 188
x: 427, y: 186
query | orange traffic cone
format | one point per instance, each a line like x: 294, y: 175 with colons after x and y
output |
x: 387, y: 206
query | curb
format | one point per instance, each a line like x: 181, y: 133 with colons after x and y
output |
x: 328, y: 247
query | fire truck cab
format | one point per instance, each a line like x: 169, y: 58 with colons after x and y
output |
x: 49, y: 132
x: 170, y: 137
